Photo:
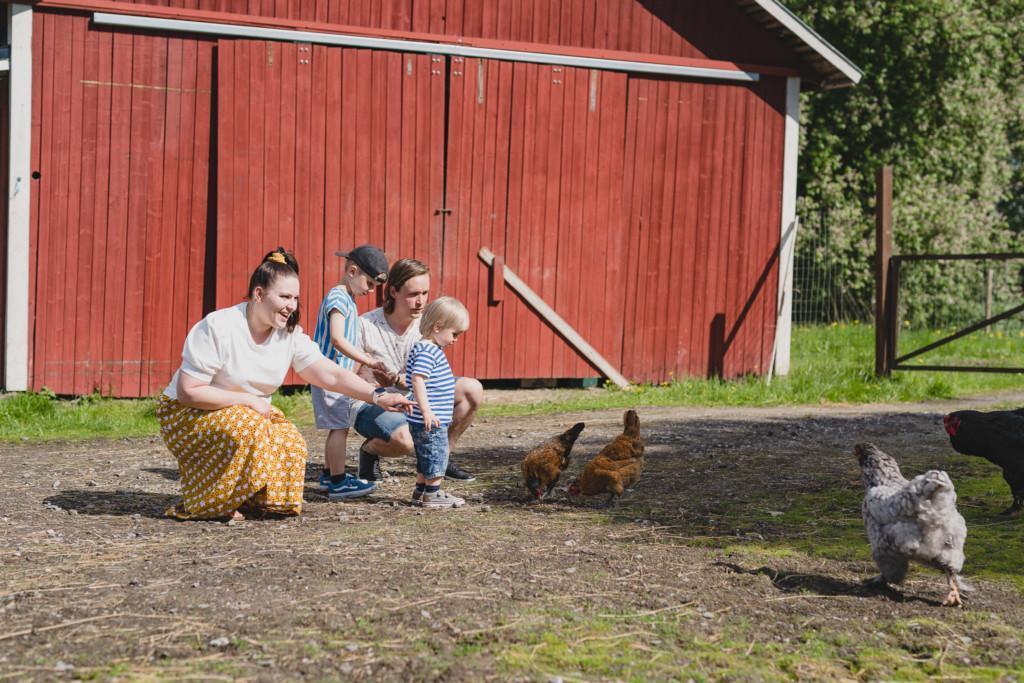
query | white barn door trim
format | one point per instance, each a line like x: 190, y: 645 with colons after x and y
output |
x: 19, y: 192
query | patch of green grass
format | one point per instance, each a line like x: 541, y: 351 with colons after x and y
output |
x: 110, y: 673
x: 41, y: 416
x: 830, y: 364
x: 671, y: 646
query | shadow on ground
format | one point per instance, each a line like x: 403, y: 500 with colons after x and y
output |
x: 118, y: 503
x: 818, y: 584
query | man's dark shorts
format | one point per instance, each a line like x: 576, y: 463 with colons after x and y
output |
x: 373, y: 422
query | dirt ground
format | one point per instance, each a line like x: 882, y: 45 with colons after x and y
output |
x: 96, y: 583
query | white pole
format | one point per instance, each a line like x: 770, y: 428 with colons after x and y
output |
x: 16, y: 332
x: 787, y: 235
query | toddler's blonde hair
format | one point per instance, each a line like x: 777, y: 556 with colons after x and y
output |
x: 447, y: 312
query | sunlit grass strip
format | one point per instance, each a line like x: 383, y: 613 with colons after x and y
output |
x: 830, y: 364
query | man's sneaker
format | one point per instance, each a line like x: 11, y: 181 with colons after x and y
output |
x: 325, y: 480
x: 441, y: 499
x: 349, y: 487
x: 369, y: 466
x: 453, y: 471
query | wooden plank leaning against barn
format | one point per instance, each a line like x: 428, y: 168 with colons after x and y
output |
x: 556, y: 321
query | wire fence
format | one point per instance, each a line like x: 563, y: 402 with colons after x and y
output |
x: 825, y: 286
x: 830, y: 287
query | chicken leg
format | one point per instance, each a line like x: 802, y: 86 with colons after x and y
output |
x: 1012, y: 511
x: 953, y: 599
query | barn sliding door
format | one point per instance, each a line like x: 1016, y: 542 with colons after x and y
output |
x: 535, y: 158
x: 121, y: 143
x: 323, y: 148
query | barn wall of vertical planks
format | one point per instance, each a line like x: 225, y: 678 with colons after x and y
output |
x: 644, y: 209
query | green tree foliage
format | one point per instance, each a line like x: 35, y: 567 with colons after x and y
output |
x: 942, y: 101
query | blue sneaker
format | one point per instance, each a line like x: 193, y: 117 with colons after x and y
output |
x: 349, y: 487
x: 325, y: 481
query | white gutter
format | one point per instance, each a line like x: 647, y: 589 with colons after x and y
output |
x: 19, y: 191
x: 805, y: 33
x: 787, y: 238
x: 340, y: 39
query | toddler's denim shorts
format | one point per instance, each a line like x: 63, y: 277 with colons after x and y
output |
x: 431, y: 449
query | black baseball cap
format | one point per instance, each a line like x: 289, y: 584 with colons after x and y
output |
x: 370, y: 259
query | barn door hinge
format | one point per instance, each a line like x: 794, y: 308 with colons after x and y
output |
x: 443, y: 212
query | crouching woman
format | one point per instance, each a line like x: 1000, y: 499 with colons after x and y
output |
x: 234, y: 449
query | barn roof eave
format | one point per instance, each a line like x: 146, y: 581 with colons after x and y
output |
x: 826, y: 67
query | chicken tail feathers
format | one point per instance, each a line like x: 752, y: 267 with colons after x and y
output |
x: 631, y: 422
x: 573, y: 433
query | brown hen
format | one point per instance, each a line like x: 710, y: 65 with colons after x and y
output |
x: 617, y: 467
x: 544, y: 464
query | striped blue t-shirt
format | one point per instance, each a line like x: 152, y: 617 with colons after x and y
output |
x: 338, y: 299
x: 427, y: 359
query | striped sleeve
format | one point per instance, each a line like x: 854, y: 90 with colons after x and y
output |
x: 422, y: 361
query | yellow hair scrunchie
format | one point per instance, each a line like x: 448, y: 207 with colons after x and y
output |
x: 278, y: 257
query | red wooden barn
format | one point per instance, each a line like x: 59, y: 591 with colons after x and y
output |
x: 631, y: 161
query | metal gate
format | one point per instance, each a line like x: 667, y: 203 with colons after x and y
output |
x: 889, y: 275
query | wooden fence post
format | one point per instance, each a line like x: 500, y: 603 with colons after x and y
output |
x: 883, y: 253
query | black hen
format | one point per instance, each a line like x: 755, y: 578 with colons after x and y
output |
x: 998, y: 437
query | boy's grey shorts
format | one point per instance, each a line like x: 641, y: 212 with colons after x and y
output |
x: 332, y: 411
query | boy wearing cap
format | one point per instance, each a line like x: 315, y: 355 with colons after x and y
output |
x: 337, y: 335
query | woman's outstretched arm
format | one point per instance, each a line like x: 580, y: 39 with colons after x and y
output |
x: 331, y: 376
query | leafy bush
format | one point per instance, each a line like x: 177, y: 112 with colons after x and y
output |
x: 942, y: 101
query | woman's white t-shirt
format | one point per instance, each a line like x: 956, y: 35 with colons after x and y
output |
x: 221, y: 351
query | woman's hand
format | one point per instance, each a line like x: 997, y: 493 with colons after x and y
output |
x: 257, y: 403
x: 394, y: 403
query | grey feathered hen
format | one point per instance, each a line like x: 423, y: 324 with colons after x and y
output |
x: 911, y: 520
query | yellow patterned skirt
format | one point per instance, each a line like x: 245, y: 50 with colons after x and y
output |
x: 233, y: 457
